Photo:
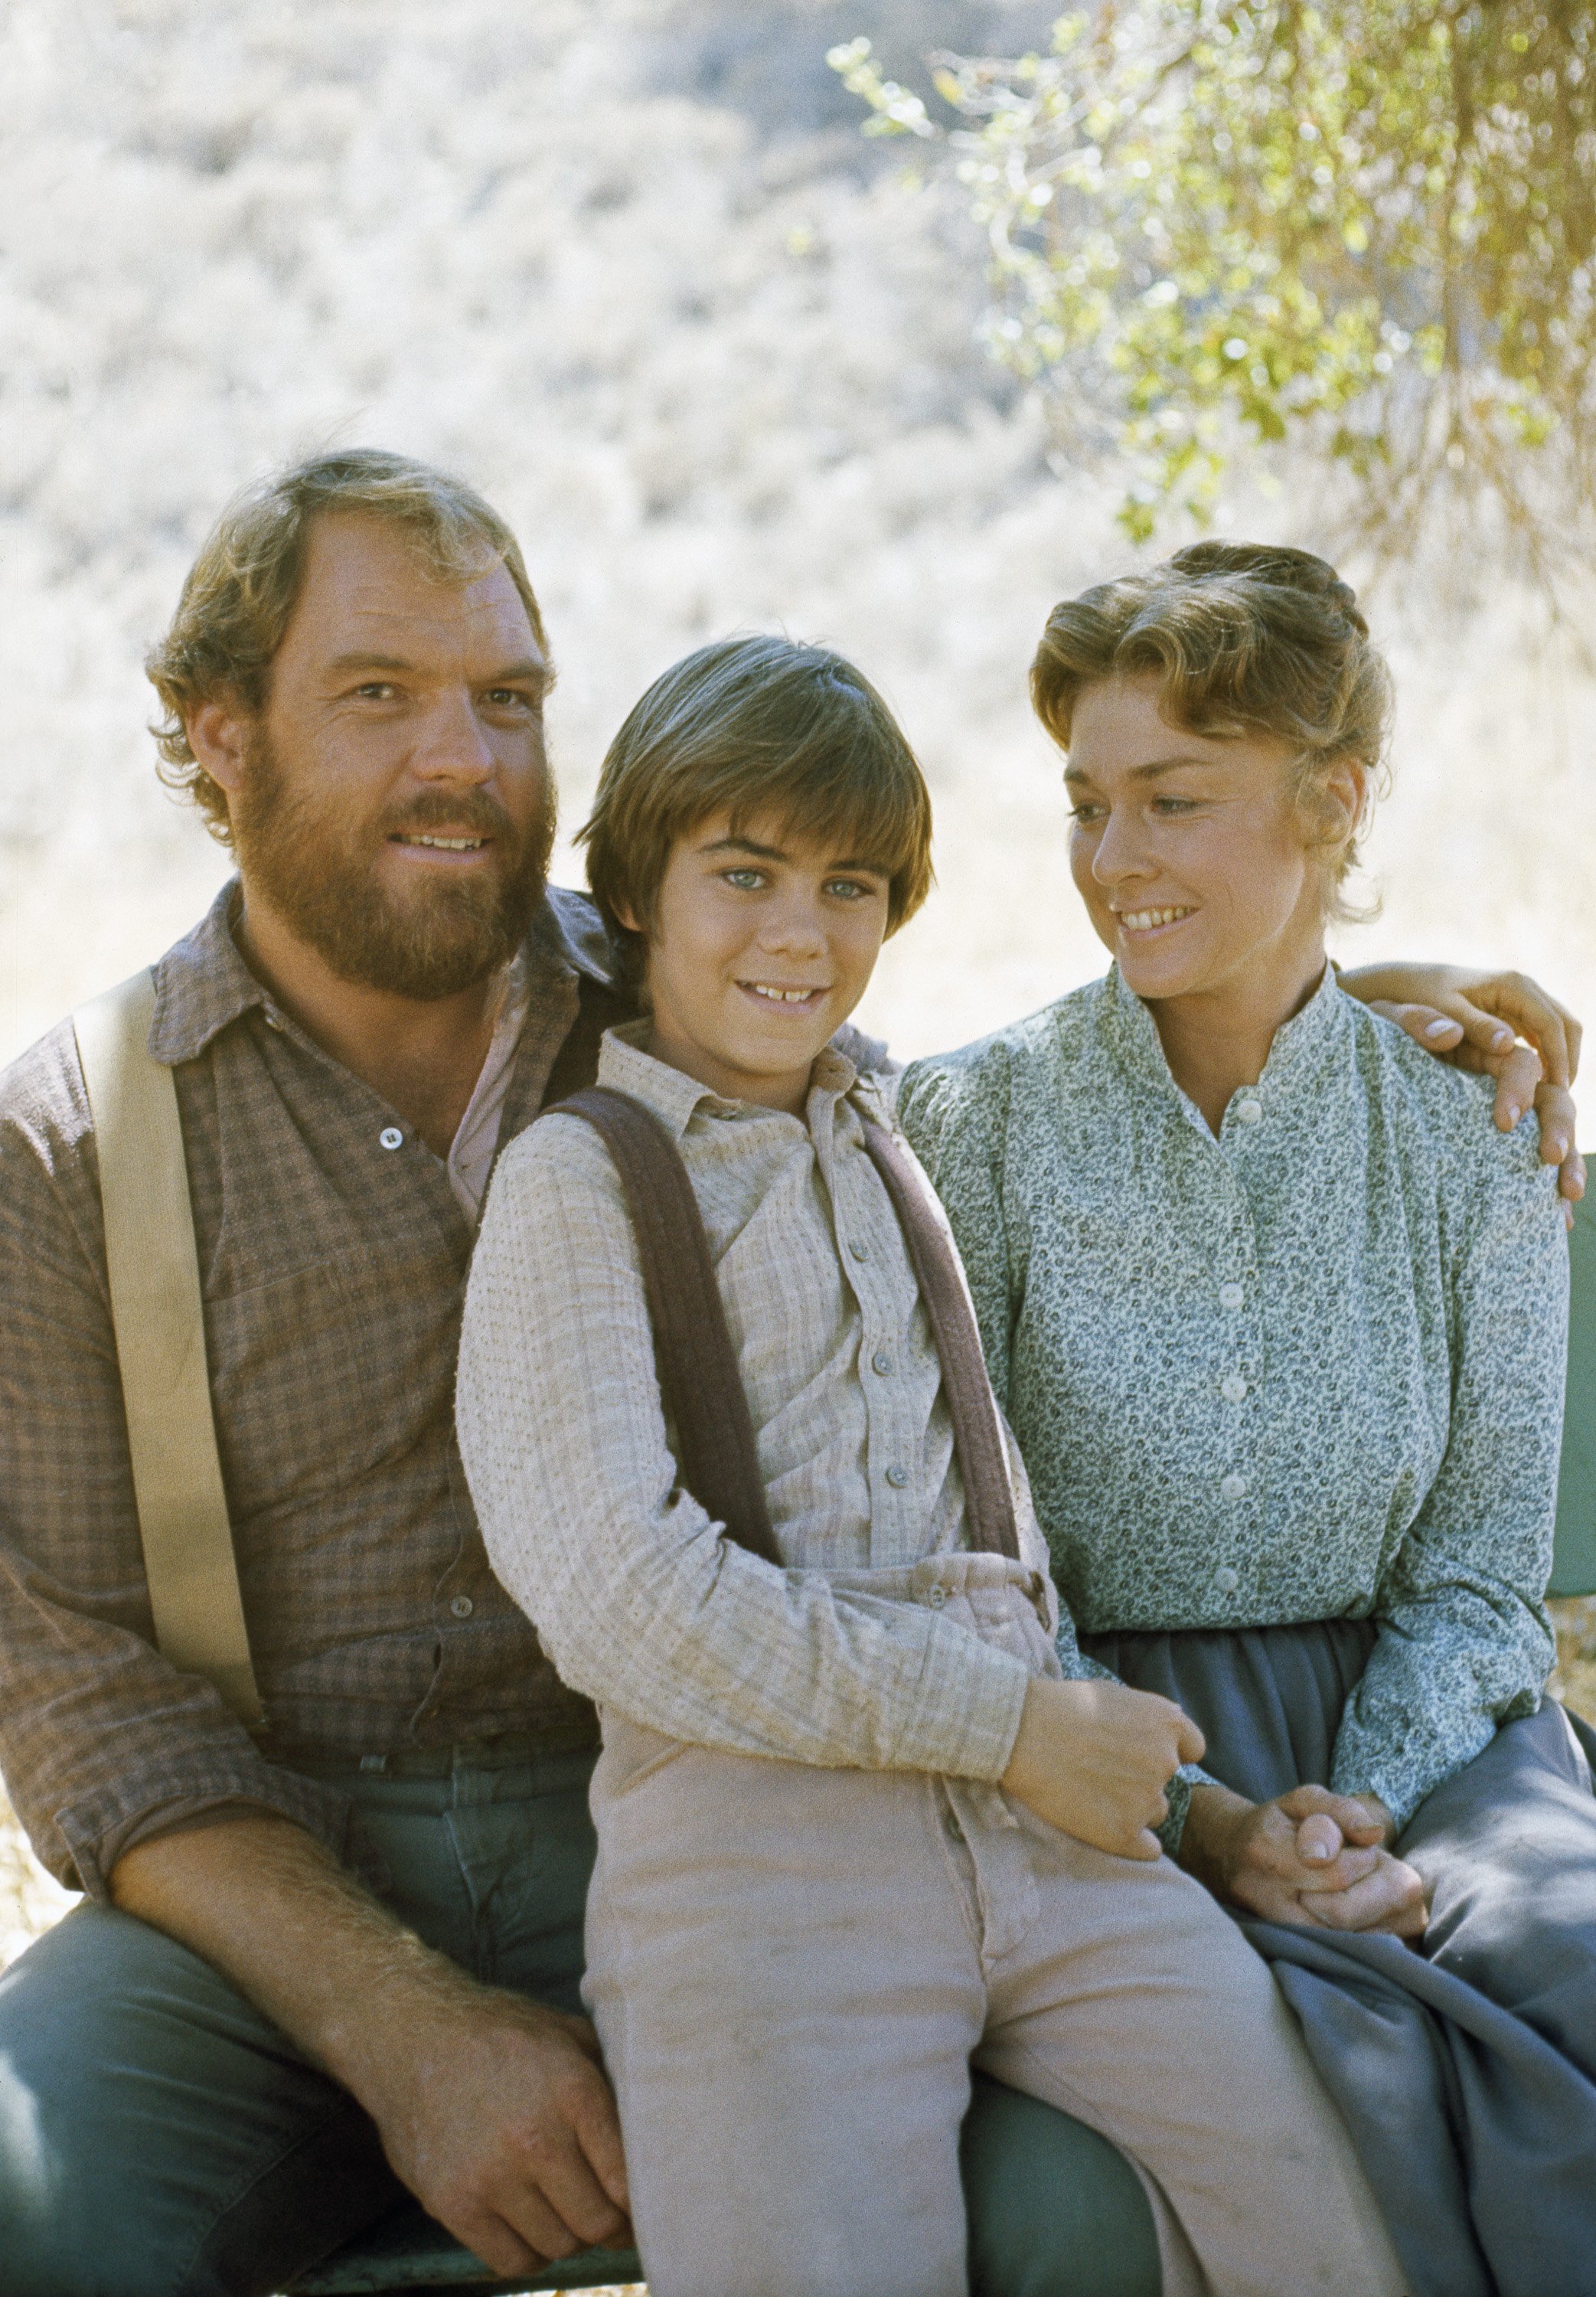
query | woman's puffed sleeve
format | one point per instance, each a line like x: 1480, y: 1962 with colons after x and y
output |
x: 954, y: 1111
x: 1465, y: 1643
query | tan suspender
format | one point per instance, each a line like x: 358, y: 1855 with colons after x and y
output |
x: 152, y: 1269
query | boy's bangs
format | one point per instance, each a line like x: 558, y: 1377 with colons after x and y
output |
x: 877, y: 818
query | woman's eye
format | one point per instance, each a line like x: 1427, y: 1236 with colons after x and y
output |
x: 1168, y: 805
x: 1085, y: 813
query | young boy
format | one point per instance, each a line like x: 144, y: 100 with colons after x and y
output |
x: 860, y: 1823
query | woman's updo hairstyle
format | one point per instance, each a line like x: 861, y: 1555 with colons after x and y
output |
x: 1244, y: 638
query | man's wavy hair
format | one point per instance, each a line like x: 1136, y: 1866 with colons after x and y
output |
x: 753, y: 726
x: 242, y: 588
x: 1244, y: 638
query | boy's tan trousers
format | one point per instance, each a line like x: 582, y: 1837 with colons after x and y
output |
x: 792, y: 1970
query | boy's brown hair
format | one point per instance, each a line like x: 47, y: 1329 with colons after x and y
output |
x: 1242, y: 636
x: 756, y: 725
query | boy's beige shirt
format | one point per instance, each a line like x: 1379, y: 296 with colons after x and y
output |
x: 636, y: 1596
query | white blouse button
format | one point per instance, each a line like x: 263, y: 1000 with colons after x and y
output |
x: 1232, y: 1388
x: 1230, y: 1296
x: 1226, y: 1580
x: 1234, y: 1487
x: 391, y: 1137
x: 897, y: 1478
x: 1248, y: 1111
x: 937, y: 1597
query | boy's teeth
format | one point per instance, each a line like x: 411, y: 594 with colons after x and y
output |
x: 782, y: 996
x: 1144, y: 920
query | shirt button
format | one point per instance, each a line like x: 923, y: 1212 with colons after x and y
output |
x: 1226, y: 1580
x: 860, y: 1251
x: 1234, y: 1487
x: 391, y: 1137
x: 897, y: 1478
x: 1248, y: 1111
x: 881, y: 1361
x: 461, y: 1606
x: 1230, y: 1296
x: 1232, y: 1388
x: 936, y: 1598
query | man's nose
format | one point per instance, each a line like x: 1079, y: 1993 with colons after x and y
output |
x: 451, y: 745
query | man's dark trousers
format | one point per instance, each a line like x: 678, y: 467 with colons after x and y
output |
x: 158, y: 2139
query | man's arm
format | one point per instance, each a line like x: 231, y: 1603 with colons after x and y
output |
x: 1477, y: 1019
x: 491, y: 2109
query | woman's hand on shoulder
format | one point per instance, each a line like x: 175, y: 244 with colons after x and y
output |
x: 1502, y: 1023
x: 1093, y: 1759
x: 1310, y: 1858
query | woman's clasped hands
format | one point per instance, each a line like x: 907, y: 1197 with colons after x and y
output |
x: 1307, y: 1858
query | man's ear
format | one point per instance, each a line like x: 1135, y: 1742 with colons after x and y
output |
x: 218, y: 735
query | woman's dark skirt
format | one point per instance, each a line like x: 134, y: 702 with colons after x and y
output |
x: 1466, y: 2070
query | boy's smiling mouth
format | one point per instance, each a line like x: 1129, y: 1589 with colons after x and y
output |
x: 784, y: 998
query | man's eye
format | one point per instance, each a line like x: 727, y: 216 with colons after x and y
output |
x: 508, y: 698
x: 376, y: 689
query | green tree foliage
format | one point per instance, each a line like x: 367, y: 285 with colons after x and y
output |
x: 1369, y: 225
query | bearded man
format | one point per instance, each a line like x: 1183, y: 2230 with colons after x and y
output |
x: 333, y: 1963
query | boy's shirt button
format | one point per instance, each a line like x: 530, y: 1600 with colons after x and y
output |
x: 860, y: 1251
x: 897, y: 1478
x: 881, y: 1361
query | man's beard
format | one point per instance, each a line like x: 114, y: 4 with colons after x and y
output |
x: 320, y: 874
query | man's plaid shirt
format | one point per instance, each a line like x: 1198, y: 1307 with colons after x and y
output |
x: 332, y: 1267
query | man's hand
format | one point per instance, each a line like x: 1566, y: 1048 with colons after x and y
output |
x: 1093, y: 1759
x: 496, y: 2115
x: 492, y: 2109
x: 1308, y: 1857
x: 1477, y: 1021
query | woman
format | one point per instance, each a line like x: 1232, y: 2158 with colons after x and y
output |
x: 1278, y: 1318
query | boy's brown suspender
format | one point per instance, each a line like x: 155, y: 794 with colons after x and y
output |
x: 698, y: 1363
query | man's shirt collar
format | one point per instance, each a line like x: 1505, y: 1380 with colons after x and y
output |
x: 202, y: 983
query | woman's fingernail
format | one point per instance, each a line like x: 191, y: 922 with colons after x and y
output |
x: 1514, y: 1114
x: 1502, y: 1040
x: 1438, y: 1028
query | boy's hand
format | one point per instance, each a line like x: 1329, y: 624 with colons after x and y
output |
x: 1093, y: 1759
x: 1310, y: 1858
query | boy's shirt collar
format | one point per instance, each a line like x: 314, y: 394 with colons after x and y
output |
x: 676, y: 1098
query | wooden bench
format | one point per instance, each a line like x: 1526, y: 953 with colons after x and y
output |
x: 413, y: 2254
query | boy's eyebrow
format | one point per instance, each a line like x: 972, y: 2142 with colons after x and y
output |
x: 775, y: 854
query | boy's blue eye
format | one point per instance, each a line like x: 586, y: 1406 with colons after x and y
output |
x: 746, y: 881
x: 850, y: 889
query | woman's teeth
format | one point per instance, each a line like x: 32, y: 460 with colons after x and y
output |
x: 1144, y: 920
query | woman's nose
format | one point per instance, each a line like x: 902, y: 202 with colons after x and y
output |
x: 1119, y: 854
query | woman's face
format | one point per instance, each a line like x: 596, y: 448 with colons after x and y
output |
x: 1187, y: 849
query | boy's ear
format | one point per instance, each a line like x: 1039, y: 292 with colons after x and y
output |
x: 625, y: 915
